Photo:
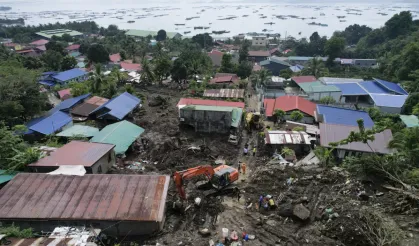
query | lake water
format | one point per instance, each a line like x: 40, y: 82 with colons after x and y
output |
x: 250, y: 16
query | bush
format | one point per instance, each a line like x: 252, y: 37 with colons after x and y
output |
x: 14, y: 231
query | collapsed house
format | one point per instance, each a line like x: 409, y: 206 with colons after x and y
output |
x: 122, y: 204
x: 300, y: 142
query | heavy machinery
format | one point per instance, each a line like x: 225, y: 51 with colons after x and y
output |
x: 219, y: 178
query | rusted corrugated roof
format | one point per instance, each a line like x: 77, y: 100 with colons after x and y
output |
x: 191, y: 101
x: 75, y: 153
x: 225, y: 93
x: 39, y: 196
x: 88, y: 106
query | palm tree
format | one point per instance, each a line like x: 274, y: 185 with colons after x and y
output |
x: 98, y: 79
x: 263, y: 75
x: 147, y: 75
x: 315, y: 67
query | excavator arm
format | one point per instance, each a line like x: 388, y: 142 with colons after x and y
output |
x: 180, y: 176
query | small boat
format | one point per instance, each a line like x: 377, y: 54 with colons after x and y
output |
x: 186, y: 32
x: 269, y: 23
x: 131, y: 21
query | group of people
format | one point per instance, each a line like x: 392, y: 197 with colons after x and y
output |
x: 246, y: 149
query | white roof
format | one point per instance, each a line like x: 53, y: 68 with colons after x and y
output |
x: 287, y: 137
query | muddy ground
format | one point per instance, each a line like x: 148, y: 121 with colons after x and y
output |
x: 334, y: 212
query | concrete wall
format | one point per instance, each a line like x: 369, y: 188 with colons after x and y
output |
x: 206, y: 121
x: 365, y: 63
x: 390, y: 110
x: 318, y: 95
x: 259, y: 41
x: 113, y: 228
x: 104, y: 164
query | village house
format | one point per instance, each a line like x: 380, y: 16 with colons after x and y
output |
x: 79, y: 131
x: 122, y: 205
x: 144, y: 33
x: 225, y: 79
x: 410, y: 120
x: 258, y: 55
x: 332, y: 133
x: 72, y: 48
x: 274, y: 65
x: 298, y: 141
x: 259, y: 41
x: 121, y: 134
x: 117, y: 108
x: 96, y: 158
x: 342, y: 116
x: 50, y: 79
x: 216, y: 57
x: 289, y: 104
x: 47, y: 34
x: 82, y: 111
x: 225, y: 93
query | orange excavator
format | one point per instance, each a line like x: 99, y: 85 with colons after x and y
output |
x: 219, y: 177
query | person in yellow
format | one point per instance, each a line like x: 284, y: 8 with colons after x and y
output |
x: 254, y: 150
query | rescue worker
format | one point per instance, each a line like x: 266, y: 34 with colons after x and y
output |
x: 254, y: 150
x: 244, y: 168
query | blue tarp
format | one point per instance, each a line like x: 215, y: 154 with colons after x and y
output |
x: 343, y: 116
x: 49, y: 124
x: 391, y: 86
x: 69, y: 74
x: 373, y: 87
x: 392, y: 101
x: 69, y: 103
x: 119, y: 106
x: 351, y: 89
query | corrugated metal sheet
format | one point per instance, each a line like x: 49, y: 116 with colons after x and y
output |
x: 120, y: 106
x: 303, y: 79
x: 343, y: 116
x: 70, y: 74
x: 89, y: 106
x: 289, y: 103
x: 191, y: 101
x: 351, y: 89
x: 36, y: 196
x: 387, y: 100
x: 6, y: 176
x: 391, y: 86
x: 79, y: 130
x: 225, y: 93
x: 410, y: 120
x: 75, y: 153
x: 121, y: 134
x: 330, y: 133
x: 287, y: 137
x: 50, y: 123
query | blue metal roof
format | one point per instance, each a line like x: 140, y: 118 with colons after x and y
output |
x: 297, y: 68
x: 120, y: 106
x: 71, y: 102
x: 69, y: 74
x: 373, y: 87
x: 391, y: 86
x: 350, y: 89
x: 344, y: 116
x: 393, y: 101
x: 49, y: 124
x: 47, y: 82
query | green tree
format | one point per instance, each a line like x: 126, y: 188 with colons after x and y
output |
x: 130, y: 89
x: 285, y: 73
x: 244, y: 70
x: 147, y: 74
x: 354, y: 33
x: 296, y: 116
x: 161, y: 35
x: 263, y: 77
x: 334, y: 48
x: 278, y: 115
x: 9, y: 142
x: 179, y: 71
x: 110, y: 89
x: 32, y: 62
x: 97, y: 53
x: 56, y: 46
x: 84, y: 47
x: 98, y: 79
x: 68, y: 62
x: 78, y: 89
x: 244, y: 51
x: 20, y: 95
x: 315, y: 67
x: 327, y: 100
x: 204, y: 40
x: 408, y: 61
x: 67, y: 37
x: 411, y: 101
x: 406, y: 142
x: 123, y: 55
x: 52, y: 60
x: 162, y: 68
x: 399, y: 24
x: 227, y: 65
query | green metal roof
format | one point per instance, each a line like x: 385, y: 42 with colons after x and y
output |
x: 121, y: 134
x: 209, y: 108
x: 79, y: 130
x: 58, y: 32
x: 410, y: 120
x: 6, y: 176
x: 145, y: 33
x: 318, y: 86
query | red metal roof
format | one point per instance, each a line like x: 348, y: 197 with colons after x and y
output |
x: 75, y: 153
x: 41, y: 48
x: 73, y: 47
x: 109, y: 197
x: 115, y: 57
x: 39, y: 42
x: 131, y: 66
x: 304, y: 79
x: 289, y: 103
x: 192, y: 101
x: 24, y: 51
x: 264, y: 53
x: 64, y: 93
